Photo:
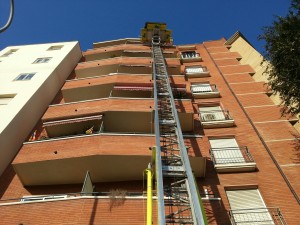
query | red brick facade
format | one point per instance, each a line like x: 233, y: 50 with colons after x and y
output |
x: 258, y: 124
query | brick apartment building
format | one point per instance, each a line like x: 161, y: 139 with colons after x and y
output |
x: 244, y: 154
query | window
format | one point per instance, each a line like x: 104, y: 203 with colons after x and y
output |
x: 10, y: 52
x: 228, y: 156
x: 225, y: 151
x: 189, y: 54
x: 5, y: 99
x: 25, y: 76
x: 55, y: 47
x: 42, y: 198
x: 210, y: 113
x: 248, y: 208
x: 42, y: 60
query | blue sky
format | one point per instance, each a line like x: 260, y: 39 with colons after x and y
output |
x: 192, y: 21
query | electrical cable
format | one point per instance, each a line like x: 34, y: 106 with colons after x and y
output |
x: 11, y: 15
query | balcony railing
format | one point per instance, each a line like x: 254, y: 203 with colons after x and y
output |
x: 232, y: 159
x: 66, y: 196
x: 190, y: 56
x: 187, y: 55
x: 215, y: 115
x: 205, y: 90
x: 229, y: 155
x: 257, y: 216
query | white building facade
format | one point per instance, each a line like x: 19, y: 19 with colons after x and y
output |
x: 30, y: 77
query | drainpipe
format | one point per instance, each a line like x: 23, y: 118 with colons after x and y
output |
x: 149, y: 195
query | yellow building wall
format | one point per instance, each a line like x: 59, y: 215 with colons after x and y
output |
x: 254, y: 59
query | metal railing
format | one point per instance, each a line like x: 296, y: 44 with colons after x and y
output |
x: 66, y: 196
x: 70, y: 196
x: 231, y: 155
x: 257, y: 216
x: 196, y: 69
x: 215, y: 115
x: 188, y: 55
x: 198, y: 89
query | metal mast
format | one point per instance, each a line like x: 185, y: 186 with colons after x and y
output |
x: 176, y: 188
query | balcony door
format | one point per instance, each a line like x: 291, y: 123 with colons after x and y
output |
x: 248, y: 207
x: 226, y: 151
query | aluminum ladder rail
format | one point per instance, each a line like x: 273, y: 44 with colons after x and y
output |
x: 172, y: 166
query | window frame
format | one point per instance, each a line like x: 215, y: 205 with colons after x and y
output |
x: 25, y: 76
x: 9, y: 52
x: 42, y: 60
x: 55, y: 47
x: 7, y: 97
x: 192, y: 54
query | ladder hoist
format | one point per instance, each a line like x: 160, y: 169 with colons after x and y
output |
x: 178, y: 199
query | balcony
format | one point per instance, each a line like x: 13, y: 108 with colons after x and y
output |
x: 114, y: 87
x: 126, y: 41
x: 257, y: 216
x: 148, y: 53
x: 124, y: 51
x: 121, y: 65
x: 143, y: 91
x: 76, y: 126
x: 215, y: 118
x: 190, y: 56
x: 232, y: 159
x: 101, y: 87
x: 205, y: 90
x: 196, y: 71
x: 101, y: 208
x: 109, y: 158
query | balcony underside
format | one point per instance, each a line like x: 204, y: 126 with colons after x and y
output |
x: 218, y: 124
x: 235, y: 167
x: 103, y: 168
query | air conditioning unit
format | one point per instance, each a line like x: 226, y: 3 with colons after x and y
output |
x: 209, y: 116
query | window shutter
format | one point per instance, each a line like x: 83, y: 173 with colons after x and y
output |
x: 245, y: 199
x: 223, y: 143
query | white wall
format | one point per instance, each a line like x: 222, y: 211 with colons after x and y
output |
x: 20, y: 115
